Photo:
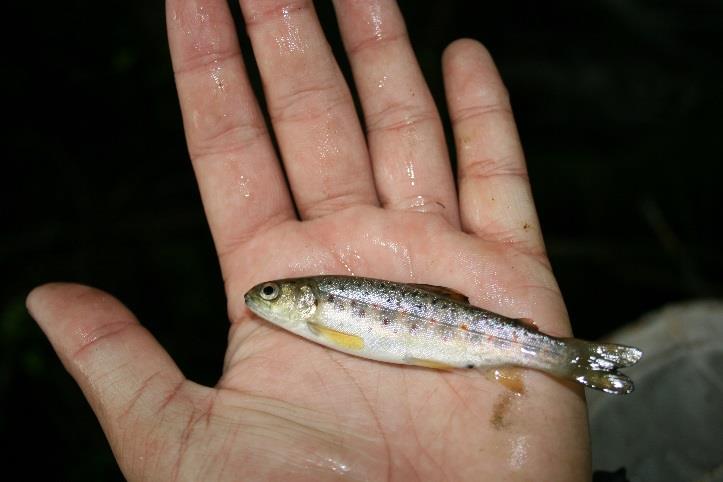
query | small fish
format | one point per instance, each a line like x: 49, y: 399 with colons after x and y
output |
x: 432, y: 327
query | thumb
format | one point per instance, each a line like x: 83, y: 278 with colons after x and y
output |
x: 127, y: 377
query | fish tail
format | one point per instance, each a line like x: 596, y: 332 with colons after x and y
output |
x: 596, y: 365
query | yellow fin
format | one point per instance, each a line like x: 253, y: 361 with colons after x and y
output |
x: 508, y: 377
x: 421, y: 362
x: 441, y: 290
x: 337, y: 338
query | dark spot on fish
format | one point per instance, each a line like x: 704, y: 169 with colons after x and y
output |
x: 435, y: 301
x: 362, y: 313
x: 389, y: 299
x: 464, y: 326
x: 330, y: 297
x: 418, y: 306
x: 386, y: 321
x: 353, y: 303
x: 414, y: 326
x: 469, y: 365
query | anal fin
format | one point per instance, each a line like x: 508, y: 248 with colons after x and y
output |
x: 508, y: 377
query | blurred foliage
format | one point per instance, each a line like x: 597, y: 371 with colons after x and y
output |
x: 618, y: 104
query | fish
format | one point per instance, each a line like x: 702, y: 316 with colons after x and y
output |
x: 430, y: 326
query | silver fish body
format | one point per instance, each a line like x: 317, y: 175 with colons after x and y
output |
x: 429, y: 326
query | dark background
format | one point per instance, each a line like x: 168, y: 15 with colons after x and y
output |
x: 618, y: 103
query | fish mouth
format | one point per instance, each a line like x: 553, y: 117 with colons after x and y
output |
x: 252, y: 304
x: 257, y: 307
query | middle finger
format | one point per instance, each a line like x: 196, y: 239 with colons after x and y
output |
x: 406, y: 139
x: 311, y: 108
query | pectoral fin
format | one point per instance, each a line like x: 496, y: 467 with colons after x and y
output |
x: 337, y: 338
x: 421, y: 362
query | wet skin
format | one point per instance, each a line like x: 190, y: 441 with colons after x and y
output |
x: 382, y: 206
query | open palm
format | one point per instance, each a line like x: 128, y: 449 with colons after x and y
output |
x: 382, y: 206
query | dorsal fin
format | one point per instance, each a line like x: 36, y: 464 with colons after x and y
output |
x: 441, y: 290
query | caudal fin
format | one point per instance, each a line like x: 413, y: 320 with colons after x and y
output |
x: 596, y: 365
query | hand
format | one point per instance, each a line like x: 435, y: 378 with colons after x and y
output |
x: 382, y: 206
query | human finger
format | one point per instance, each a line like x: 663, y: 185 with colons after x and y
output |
x: 129, y: 380
x: 312, y: 111
x: 494, y: 190
x: 241, y: 181
x: 404, y: 130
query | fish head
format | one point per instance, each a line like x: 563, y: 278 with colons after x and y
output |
x: 287, y: 303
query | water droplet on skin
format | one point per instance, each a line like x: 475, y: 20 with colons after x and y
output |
x: 349, y: 257
x: 422, y: 205
x: 315, y: 262
x: 410, y: 173
x: 418, y: 201
x: 519, y: 453
x: 85, y: 335
x: 217, y: 75
x: 400, y: 250
x: 375, y: 20
x: 244, y: 187
x: 381, y: 82
x: 328, y: 463
x: 411, y: 139
x: 290, y: 41
x: 328, y: 146
x: 202, y: 14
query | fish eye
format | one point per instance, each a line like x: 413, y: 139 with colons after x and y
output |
x: 269, y: 291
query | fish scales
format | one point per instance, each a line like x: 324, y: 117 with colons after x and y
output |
x: 429, y: 326
x: 463, y: 334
